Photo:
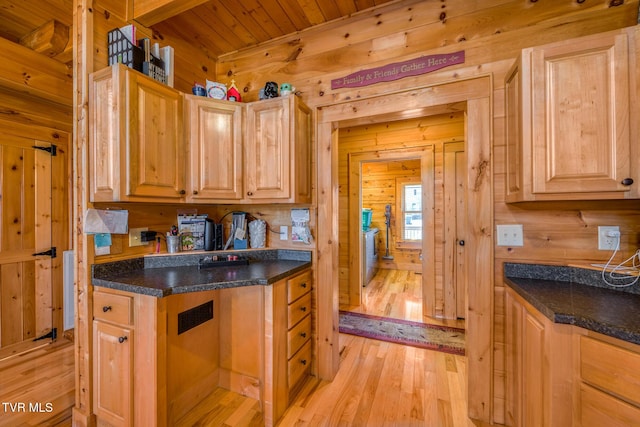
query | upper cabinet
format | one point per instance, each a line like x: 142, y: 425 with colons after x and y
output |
x: 228, y: 152
x: 277, y: 151
x: 568, y: 121
x: 136, y: 143
x: 214, y: 133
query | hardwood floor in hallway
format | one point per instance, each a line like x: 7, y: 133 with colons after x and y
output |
x: 397, y: 294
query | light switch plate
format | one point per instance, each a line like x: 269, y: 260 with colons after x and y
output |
x: 510, y: 235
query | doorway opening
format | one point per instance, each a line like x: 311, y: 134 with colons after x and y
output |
x: 408, y: 177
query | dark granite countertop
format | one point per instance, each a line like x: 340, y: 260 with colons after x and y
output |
x: 161, y: 276
x: 578, y: 297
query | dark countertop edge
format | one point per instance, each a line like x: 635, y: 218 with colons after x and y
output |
x: 161, y: 293
x: 568, y: 318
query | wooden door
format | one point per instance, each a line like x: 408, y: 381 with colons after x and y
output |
x: 215, y: 147
x: 268, y: 148
x: 26, y: 285
x: 454, y: 222
x: 156, y: 148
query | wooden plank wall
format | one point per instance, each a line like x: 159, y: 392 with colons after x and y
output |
x: 432, y: 130
x: 492, y: 35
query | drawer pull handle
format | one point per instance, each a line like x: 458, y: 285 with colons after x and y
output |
x: 303, y: 308
x: 106, y: 308
x: 122, y: 339
x: 303, y: 284
x: 303, y: 334
x: 627, y: 181
x: 303, y: 361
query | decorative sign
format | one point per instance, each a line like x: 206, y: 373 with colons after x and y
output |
x: 399, y: 70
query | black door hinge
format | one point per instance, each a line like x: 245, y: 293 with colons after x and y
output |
x: 51, y: 252
x: 53, y: 149
x: 53, y: 334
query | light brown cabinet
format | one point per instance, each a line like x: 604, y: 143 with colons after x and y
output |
x: 136, y: 141
x: 278, y: 151
x: 113, y: 359
x: 288, y: 333
x: 258, y: 152
x: 214, y: 134
x: 609, y: 389
x: 538, y: 367
x: 568, y: 121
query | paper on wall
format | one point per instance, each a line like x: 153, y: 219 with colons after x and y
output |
x: 112, y: 221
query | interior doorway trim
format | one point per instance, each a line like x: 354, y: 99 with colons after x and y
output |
x: 476, y: 96
x: 426, y: 155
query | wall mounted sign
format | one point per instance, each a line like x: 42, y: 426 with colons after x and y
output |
x: 399, y: 70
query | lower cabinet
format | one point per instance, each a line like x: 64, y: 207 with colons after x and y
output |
x: 609, y: 386
x: 113, y: 359
x: 156, y: 360
x: 563, y: 375
x: 288, y: 335
x: 538, y: 367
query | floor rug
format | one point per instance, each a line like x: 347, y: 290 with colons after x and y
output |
x: 416, y: 334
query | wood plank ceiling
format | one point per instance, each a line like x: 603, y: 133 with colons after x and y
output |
x: 221, y: 26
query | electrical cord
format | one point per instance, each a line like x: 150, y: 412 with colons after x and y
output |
x: 635, y: 259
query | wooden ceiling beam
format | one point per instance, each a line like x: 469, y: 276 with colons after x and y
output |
x: 50, y: 39
x: 150, y: 12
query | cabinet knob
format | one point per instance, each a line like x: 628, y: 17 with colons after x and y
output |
x: 303, y: 334
x: 461, y: 242
x: 303, y: 308
x: 183, y: 192
x: 122, y: 339
x: 106, y: 308
x: 627, y: 181
x: 303, y: 361
x: 304, y: 285
x: 249, y: 193
x: 195, y: 192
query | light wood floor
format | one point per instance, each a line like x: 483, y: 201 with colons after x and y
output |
x: 37, y: 388
x: 397, y: 294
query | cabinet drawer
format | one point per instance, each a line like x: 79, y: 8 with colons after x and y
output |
x: 610, y: 368
x: 299, y: 365
x: 599, y: 409
x: 113, y: 308
x: 298, y: 286
x: 299, y: 309
x: 297, y: 336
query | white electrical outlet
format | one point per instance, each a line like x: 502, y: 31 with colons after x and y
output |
x: 135, y: 238
x: 510, y: 235
x: 608, y: 237
x: 284, y: 232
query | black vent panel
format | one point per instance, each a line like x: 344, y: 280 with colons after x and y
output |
x: 195, y: 316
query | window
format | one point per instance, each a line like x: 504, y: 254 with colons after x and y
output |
x: 410, y: 210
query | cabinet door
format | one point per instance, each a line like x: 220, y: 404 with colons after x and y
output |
x: 112, y: 376
x: 514, y: 138
x: 580, y: 115
x: 533, y: 371
x: 215, y: 147
x: 268, y: 150
x: 513, y: 360
x: 155, y: 147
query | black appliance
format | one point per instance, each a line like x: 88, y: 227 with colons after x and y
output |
x: 213, y: 238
